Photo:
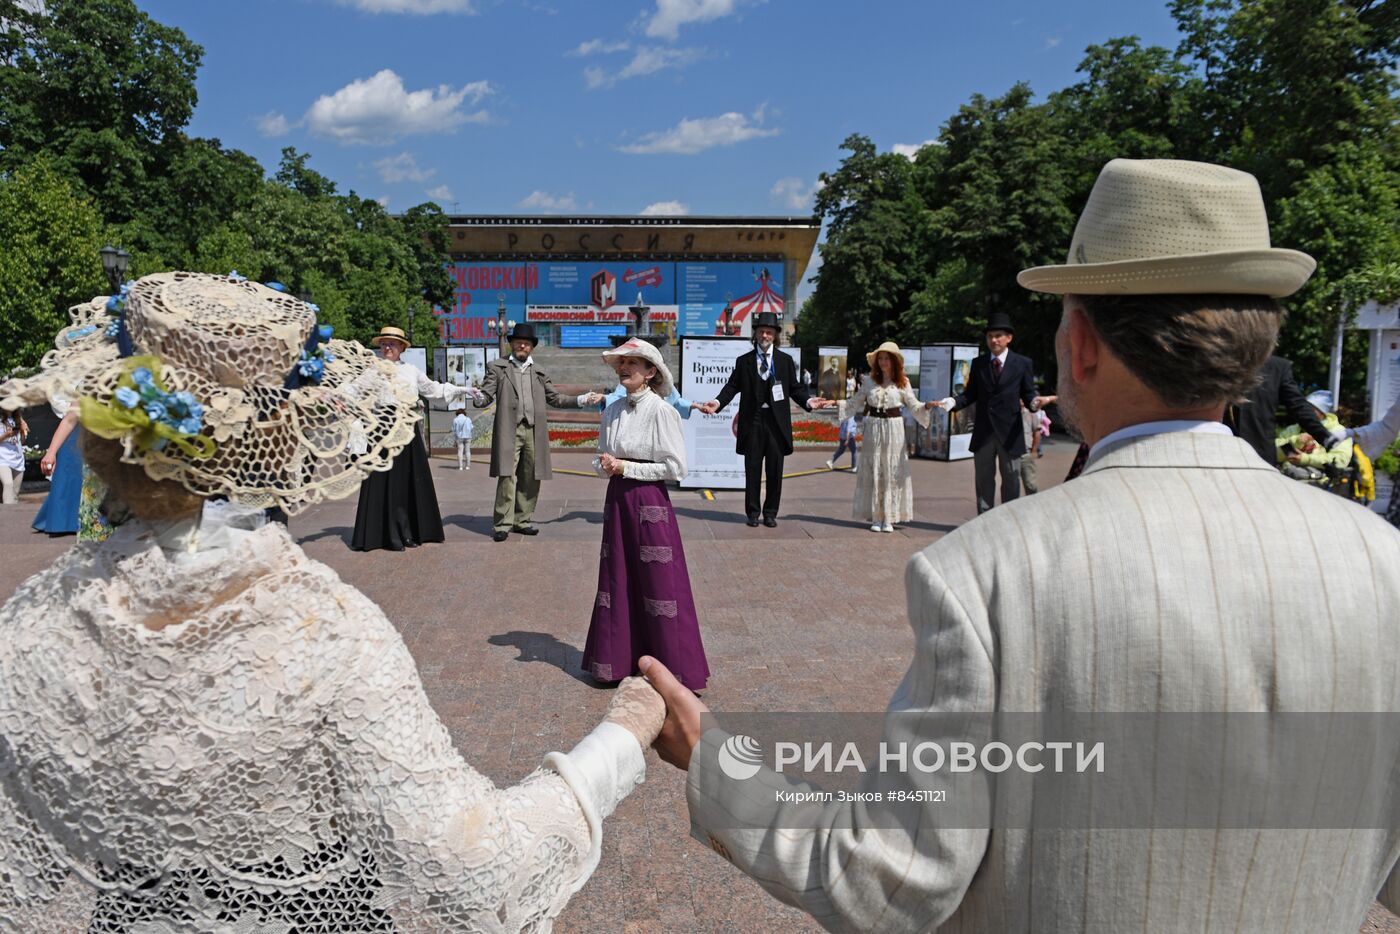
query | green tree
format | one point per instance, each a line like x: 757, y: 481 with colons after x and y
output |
x: 51, y: 234
x: 100, y: 87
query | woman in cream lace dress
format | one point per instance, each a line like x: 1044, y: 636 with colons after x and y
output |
x: 884, y: 493
x: 202, y: 729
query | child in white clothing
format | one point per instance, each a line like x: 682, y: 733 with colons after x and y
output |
x: 462, y: 431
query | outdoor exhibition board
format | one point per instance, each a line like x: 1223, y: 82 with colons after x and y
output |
x: 705, y: 366
x: 1382, y: 373
x: 943, y: 372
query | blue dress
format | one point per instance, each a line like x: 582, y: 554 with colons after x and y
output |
x: 59, y: 514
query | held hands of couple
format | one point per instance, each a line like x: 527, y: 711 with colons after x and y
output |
x: 638, y: 709
x: 681, y: 731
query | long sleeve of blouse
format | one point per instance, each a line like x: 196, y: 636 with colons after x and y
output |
x: 1376, y: 437
x: 427, y: 388
x: 643, y: 428
x: 884, y: 397
x: 283, y: 711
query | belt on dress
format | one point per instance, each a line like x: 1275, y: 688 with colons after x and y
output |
x: 895, y: 412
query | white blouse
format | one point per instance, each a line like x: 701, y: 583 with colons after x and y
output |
x: 273, y: 738
x: 417, y: 383
x: 878, y: 396
x: 642, y: 427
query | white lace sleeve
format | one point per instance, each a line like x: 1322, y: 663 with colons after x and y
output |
x: 667, y: 448
x: 915, y: 407
x: 854, y: 405
x: 459, y: 852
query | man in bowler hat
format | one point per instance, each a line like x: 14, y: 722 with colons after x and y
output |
x: 999, y: 382
x: 520, y: 440
x: 764, y: 380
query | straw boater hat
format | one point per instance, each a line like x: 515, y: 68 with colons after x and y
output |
x: 227, y: 387
x: 390, y: 334
x: 1164, y: 226
x: 644, y: 351
x: 888, y: 347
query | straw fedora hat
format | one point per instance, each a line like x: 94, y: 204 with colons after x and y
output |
x: 227, y: 387
x: 390, y: 334
x: 887, y: 347
x: 645, y: 351
x: 1166, y: 226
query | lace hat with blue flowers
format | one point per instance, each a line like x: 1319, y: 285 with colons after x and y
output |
x: 228, y: 387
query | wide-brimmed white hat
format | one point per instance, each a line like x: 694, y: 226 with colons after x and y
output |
x: 645, y: 351
x: 227, y: 387
x: 1167, y: 226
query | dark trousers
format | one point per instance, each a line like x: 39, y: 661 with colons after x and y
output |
x: 987, y: 461
x: 763, y: 446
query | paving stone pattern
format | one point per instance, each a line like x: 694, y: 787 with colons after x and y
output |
x: 808, y: 616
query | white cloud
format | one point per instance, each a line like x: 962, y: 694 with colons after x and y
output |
x: 1052, y: 41
x: 691, y: 136
x: 380, y: 110
x: 544, y: 201
x: 599, y: 47
x: 383, y: 201
x: 402, y: 168
x: 440, y: 193
x: 666, y: 209
x: 909, y: 150
x: 274, y: 124
x: 793, y: 193
x: 648, y: 60
x: 420, y: 7
x: 671, y: 15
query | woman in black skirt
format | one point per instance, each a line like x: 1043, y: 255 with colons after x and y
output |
x: 398, y: 507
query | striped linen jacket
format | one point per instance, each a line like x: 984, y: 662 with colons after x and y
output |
x: 1178, y: 573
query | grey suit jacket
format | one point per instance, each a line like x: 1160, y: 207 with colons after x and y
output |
x: 1178, y: 573
x: 499, y: 386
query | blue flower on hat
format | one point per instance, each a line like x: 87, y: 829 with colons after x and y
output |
x: 141, y: 376
x: 276, y: 285
x: 128, y: 397
x: 234, y: 276
x: 156, y: 410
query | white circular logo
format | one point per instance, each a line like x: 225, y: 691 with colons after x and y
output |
x: 740, y: 757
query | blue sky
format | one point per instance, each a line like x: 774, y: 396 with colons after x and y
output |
x: 671, y: 106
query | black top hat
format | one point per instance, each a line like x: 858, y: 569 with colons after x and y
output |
x: 767, y: 319
x: 999, y: 321
x: 523, y: 332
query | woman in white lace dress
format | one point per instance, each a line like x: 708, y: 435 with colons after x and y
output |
x: 884, y: 493
x: 202, y: 729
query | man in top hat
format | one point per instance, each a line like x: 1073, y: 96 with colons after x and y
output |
x: 520, y: 439
x: 999, y: 382
x: 764, y: 380
x: 1163, y: 580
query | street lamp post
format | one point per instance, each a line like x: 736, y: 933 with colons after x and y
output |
x: 411, y: 311
x: 727, y: 326
x: 639, y: 312
x: 114, y: 264
x: 501, y: 322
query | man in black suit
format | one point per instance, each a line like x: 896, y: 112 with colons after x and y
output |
x: 998, y: 383
x: 1255, y: 421
x: 764, y: 380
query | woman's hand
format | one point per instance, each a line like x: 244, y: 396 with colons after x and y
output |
x: 638, y: 709
x: 46, y: 463
x: 611, y: 465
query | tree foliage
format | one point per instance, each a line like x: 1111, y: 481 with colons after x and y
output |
x: 1301, y: 93
x: 95, y: 96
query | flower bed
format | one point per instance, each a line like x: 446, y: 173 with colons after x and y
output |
x: 812, y: 431
x: 573, y: 437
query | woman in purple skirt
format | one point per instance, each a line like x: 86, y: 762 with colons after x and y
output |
x: 644, y: 605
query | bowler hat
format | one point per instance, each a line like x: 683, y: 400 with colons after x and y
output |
x: 999, y: 321
x: 523, y: 332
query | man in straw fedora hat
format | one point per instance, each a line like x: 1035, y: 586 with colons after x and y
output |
x: 1157, y: 582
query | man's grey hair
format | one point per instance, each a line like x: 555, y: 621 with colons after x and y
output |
x: 1190, y: 350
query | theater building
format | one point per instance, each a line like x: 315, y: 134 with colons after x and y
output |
x: 575, y: 278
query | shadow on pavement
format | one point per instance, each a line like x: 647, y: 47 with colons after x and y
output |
x: 342, y: 532
x: 543, y: 647
x: 477, y: 525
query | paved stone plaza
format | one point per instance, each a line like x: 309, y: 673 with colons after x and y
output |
x: 809, y: 616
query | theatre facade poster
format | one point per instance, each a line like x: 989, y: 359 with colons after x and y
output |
x: 683, y: 295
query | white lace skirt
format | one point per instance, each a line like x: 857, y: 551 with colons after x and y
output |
x: 884, y: 492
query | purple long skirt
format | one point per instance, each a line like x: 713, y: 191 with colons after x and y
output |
x: 644, y: 605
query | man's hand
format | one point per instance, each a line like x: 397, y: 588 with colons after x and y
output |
x: 594, y: 398
x: 1042, y: 401
x: 681, y: 731
x: 711, y: 407
x: 821, y: 403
